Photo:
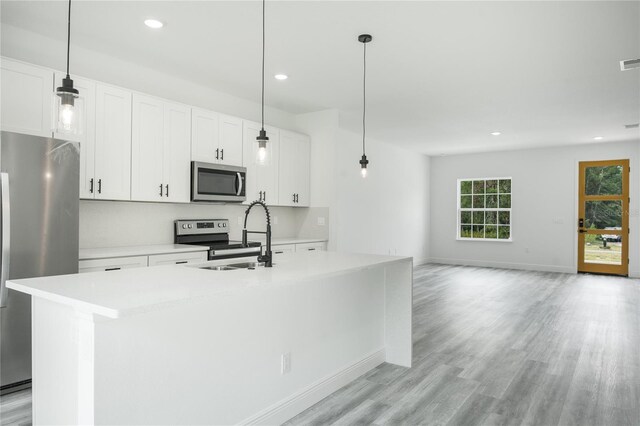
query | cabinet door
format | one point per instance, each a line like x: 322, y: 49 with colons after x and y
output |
x: 283, y: 249
x: 319, y: 246
x: 113, y: 143
x: 205, y: 135
x: 261, y: 178
x: 147, y: 147
x: 303, y: 171
x: 177, y: 258
x: 87, y: 135
x: 112, y: 264
x: 26, y: 98
x: 177, y: 139
x: 230, y: 140
x: 287, y: 182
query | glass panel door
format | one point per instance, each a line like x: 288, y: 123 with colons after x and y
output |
x: 603, y: 217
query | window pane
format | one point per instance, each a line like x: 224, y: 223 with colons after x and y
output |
x: 465, y: 217
x: 492, y: 201
x: 505, y: 186
x: 603, y: 214
x: 478, y: 201
x: 603, y: 180
x: 478, y: 231
x: 504, y: 218
x: 478, y: 187
x: 490, y: 231
x: 504, y: 232
x: 597, y: 251
x: 491, y: 218
x: 465, y: 201
x: 505, y: 201
x: 491, y: 186
x: 478, y: 218
x: 465, y: 187
x: 465, y: 231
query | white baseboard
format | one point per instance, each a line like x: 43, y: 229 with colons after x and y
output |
x: 287, y: 408
x: 504, y: 265
x: 634, y: 274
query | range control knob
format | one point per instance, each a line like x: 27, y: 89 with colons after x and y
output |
x: 224, y: 225
x: 190, y: 226
x: 184, y: 226
x: 219, y: 225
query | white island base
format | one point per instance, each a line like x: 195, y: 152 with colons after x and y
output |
x: 182, y: 345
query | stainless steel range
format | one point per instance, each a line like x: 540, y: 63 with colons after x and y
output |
x: 215, y: 234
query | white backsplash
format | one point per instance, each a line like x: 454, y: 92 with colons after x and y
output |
x: 119, y: 223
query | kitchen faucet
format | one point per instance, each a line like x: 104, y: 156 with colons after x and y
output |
x: 267, y: 258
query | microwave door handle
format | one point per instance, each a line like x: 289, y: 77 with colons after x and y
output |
x: 239, y: 178
x: 5, y: 228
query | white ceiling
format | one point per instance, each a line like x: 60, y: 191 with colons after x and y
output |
x: 441, y: 75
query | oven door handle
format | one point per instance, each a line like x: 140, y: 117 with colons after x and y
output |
x: 239, y: 178
x: 248, y: 250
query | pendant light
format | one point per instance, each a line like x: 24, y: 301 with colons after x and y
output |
x: 68, y: 96
x: 364, y: 39
x: 262, y: 138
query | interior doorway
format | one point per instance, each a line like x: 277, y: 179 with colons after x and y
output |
x: 603, y: 217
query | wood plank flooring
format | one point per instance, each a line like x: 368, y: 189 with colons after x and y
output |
x: 501, y: 347
x: 494, y: 347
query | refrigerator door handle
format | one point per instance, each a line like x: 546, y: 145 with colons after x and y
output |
x: 5, y: 229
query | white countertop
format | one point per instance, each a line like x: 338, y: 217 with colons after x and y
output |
x: 108, y: 252
x: 125, y: 292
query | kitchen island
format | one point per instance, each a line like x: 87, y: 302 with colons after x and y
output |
x: 186, y: 345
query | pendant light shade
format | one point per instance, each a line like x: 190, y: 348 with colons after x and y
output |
x: 262, y: 139
x: 69, y: 105
x: 364, y: 39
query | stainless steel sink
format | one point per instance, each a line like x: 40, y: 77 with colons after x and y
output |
x: 246, y: 265
x: 219, y: 268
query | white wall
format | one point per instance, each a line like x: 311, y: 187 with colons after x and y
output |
x: 544, y: 204
x: 386, y: 213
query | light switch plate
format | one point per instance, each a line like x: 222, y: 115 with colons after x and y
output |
x: 321, y: 221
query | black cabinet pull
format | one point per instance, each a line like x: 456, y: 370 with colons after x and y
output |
x: 217, y: 152
x: 99, y: 186
x: 181, y: 262
x: 311, y: 249
x: 294, y: 198
x: 167, y: 186
x: 260, y: 197
x: 264, y: 196
x: 161, y: 190
x: 91, y: 186
x: 112, y: 269
x: 222, y: 154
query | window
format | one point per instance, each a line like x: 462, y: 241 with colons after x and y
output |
x: 484, y: 209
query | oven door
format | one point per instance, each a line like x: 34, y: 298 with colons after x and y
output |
x: 216, y: 182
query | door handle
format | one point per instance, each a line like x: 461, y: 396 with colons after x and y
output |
x: 99, y: 186
x: 582, y: 231
x: 239, y: 178
x: 5, y: 228
x: 91, y: 186
x: 581, y: 223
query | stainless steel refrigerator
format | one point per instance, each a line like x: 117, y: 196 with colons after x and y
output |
x: 38, y: 235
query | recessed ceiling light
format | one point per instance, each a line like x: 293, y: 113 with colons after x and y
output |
x: 598, y: 138
x: 281, y: 76
x: 153, y: 23
x: 496, y: 133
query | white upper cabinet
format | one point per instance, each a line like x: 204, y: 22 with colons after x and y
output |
x: 293, y: 176
x: 216, y: 138
x: 26, y: 98
x: 262, y: 179
x: 87, y: 134
x: 159, y: 150
x: 113, y: 143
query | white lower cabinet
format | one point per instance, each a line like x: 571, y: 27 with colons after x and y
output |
x: 113, y: 264
x: 177, y: 258
x: 283, y: 248
x: 280, y: 249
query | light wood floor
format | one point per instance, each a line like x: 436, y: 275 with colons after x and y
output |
x: 496, y: 347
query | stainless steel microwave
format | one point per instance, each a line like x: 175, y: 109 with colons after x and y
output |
x: 217, y: 182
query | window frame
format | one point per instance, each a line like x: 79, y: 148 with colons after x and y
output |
x: 459, y: 209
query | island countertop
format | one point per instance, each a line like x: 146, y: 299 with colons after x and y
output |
x: 115, y: 294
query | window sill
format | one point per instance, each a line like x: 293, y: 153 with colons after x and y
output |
x: 491, y: 240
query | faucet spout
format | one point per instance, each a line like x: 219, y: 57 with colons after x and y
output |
x: 267, y: 257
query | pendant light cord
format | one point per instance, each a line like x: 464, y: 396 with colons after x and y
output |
x: 68, y: 37
x: 263, y: 20
x: 364, y: 96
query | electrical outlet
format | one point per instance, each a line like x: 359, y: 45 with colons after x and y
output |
x: 285, y: 363
x: 321, y: 221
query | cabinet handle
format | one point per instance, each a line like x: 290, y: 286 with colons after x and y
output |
x: 264, y: 197
x: 311, y: 249
x: 99, y: 186
x: 279, y: 252
x: 112, y: 269
x: 161, y: 190
x: 167, y: 186
x: 181, y: 262
x: 294, y: 198
x: 217, y: 152
x: 297, y: 198
x: 260, y: 197
x: 222, y: 154
x: 91, y: 186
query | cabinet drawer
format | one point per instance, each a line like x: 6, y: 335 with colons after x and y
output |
x: 319, y: 246
x: 283, y: 248
x: 177, y: 258
x: 112, y: 264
